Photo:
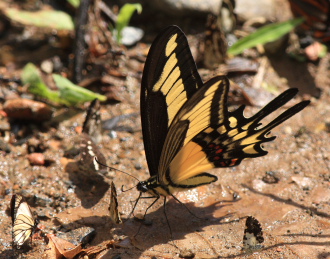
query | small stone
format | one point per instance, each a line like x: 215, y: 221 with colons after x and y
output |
x: 4, y: 146
x: 186, y: 253
x: 47, y: 66
x: 138, y: 166
x: 82, y: 235
x: 36, y: 159
x: 42, y: 200
x: 270, y: 178
x: 304, y: 183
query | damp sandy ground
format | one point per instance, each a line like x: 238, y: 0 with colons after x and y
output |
x: 288, y: 190
x: 294, y: 212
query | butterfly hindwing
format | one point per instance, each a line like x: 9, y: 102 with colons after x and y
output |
x: 22, y: 219
x: 169, y: 79
x: 227, y: 144
x: 214, y: 137
x: 181, y: 158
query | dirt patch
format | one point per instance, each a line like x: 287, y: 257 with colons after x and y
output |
x: 288, y: 190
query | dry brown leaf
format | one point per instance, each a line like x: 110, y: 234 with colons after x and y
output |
x: 65, y: 248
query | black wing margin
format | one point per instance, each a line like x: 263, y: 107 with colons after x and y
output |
x: 170, y: 78
x: 240, y: 137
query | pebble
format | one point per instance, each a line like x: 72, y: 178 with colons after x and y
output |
x: 78, y: 236
x: 303, y: 182
x: 36, y: 159
x: 42, y: 200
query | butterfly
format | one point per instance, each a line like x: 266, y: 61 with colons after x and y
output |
x: 215, y: 44
x: 317, y: 17
x: 93, y: 125
x: 186, y: 126
x: 91, y: 134
x: 24, y: 225
x: 113, y: 207
x: 253, y: 236
x: 217, y: 27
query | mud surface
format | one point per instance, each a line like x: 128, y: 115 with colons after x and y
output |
x: 288, y: 190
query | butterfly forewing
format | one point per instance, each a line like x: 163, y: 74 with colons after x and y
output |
x: 169, y: 79
x: 253, y: 236
x: 113, y: 207
x: 22, y: 219
x: 91, y: 134
x: 92, y: 124
x: 88, y: 151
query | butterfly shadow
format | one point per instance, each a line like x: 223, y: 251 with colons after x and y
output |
x: 89, y: 190
x: 296, y: 73
x: 155, y: 230
x: 13, y: 253
x: 9, y: 254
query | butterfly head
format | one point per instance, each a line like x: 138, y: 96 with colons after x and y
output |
x: 142, y: 186
x: 146, y: 186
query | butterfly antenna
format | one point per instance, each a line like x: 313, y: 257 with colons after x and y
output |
x: 122, y: 188
x: 112, y: 168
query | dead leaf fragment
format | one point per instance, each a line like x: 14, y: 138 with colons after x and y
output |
x: 63, y: 247
x: 26, y: 109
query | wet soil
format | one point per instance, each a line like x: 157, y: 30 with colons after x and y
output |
x: 294, y: 210
x: 288, y: 190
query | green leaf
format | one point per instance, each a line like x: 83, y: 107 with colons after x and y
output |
x: 30, y: 75
x: 74, y: 3
x: 323, y: 52
x: 124, y: 17
x: 74, y: 94
x: 43, y: 18
x: 69, y: 94
x: 263, y: 35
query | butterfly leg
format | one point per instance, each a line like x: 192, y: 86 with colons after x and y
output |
x: 145, y: 213
x: 136, y: 201
x: 175, y: 198
x: 168, y: 223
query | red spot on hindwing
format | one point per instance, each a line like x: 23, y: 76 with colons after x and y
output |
x: 233, y: 162
x: 219, y: 151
